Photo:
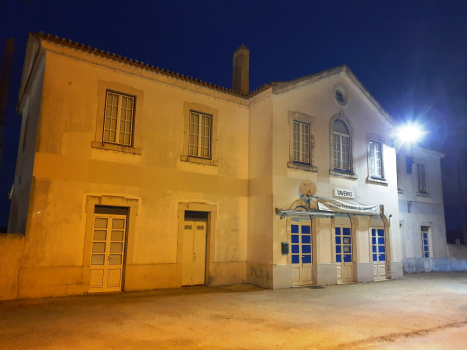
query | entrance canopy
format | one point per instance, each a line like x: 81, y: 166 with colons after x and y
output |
x: 303, y: 213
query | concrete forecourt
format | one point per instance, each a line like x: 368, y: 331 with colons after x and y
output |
x: 426, y: 311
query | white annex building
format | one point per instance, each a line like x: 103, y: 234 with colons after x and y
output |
x: 130, y: 177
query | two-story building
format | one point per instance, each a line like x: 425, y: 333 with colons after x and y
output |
x: 130, y: 177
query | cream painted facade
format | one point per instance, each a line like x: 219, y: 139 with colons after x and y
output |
x: 67, y: 176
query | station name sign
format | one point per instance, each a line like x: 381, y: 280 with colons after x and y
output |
x: 344, y: 193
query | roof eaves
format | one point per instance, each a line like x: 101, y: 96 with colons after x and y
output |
x: 135, y: 63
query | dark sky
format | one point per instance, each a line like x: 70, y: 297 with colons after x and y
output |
x: 410, y: 55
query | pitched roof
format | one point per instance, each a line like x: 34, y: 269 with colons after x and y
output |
x: 142, y: 65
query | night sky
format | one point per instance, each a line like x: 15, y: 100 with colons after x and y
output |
x: 410, y: 55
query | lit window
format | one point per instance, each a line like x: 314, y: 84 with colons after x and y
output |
x: 200, y: 135
x: 375, y: 159
x: 421, y: 178
x: 301, y: 142
x: 341, y: 145
x: 118, y: 123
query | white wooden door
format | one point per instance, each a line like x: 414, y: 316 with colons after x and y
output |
x: 343, y: 239
x: 194, y: 253
x: 426, y: 248
x: 378, y: 249
x: 300, y: 254
x: 107, y: 253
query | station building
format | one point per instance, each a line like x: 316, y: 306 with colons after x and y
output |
x: 130, y: 177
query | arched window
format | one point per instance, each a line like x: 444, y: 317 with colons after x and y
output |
x: 341, y: 145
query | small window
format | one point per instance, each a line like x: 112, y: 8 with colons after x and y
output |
x: 421, y: 178
x: 301, y: 142
x: 119, y: 116
x: 341, y: 146
x: 376, y: 169
x: 200, y: 135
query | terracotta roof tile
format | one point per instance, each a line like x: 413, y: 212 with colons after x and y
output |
x: 142, y: 65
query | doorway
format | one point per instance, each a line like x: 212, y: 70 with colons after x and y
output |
x: 300, y: 238
x: 426, y: 247
x: 108, y: 249
x: 378, y: 253
x: 194, y: 248
x: 343, y: 250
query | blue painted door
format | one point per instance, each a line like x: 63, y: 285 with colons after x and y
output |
x: 343, y: 253
x: 300, y: 253
x: 378, y: 253
x: 426, y: 248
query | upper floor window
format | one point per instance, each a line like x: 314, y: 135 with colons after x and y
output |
x: 341, y: 145
x: 200, y: 135
x: 301, y: 135
x: 118, y: 121
x: 376, y: 158
x: 301, y: 142
x: 421, y: 178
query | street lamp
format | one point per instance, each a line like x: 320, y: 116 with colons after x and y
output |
x: 409, y: 133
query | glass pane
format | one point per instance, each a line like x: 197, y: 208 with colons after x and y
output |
x: 294, y: 228
x: 373, y: 240
x: 375, y: 257
x: 306, y: 249
x: 116, y: 247
x: 118, y: 223
x: 97, y: 259
x: 338, y: 258
x: 381, y: 249
x: 295, y: 239
x: 346, y: 231
x: 425, y: 248
x: 306, y: 229
x: 341, y: 127
x: 306, y: 239
x: 425, y: 242
x: 427, y: 255
x: 380, y: 233
x: 115, y: 259
x: 295, y: 259
x: 306, y: 259
x: 347, y: 258
x: 338, y: 231
x: 117, y: 236
x: 382, y: 257
x: 374, y: 249
x: 380, y: 240
x: 425, y: 235
x: 347, y: 249
x: 99, y: 235
x: 346, y: 240
x: 98, y: 247
x: 100, y: 223
x: 373, y: 232
x: 338, y: 249
x: 295, y: 248
x: 338, y: 240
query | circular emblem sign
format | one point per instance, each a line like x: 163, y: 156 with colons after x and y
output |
x: 307, y: 188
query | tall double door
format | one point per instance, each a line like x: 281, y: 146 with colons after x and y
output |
x: 343, y: 254
x: 194, y: 253
x: 300, y: 254
x: 107, y: 253
x: 378, y: 253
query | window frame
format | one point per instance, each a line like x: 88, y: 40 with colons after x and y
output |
x: 341, y: 160
x: 371, y: 178
x: 421, y: 184
x: 199, y: 135
x: 99, y: 143
x: 302, y: 119
x: 374, y: 159
x: 188, y: 108
x: 351, y: 173
x: 119, y: 116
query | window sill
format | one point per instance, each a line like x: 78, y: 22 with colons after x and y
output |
x: 423, y: 194
x: 345, y: 174
x: 378, y: 181
x: 117, y: 148
x: 199, y: 160
x: 302, y: 166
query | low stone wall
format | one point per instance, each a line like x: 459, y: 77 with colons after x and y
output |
x: 456, y: 261
x: 11, y: 252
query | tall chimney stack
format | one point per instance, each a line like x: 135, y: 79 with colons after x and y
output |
x: 241, y: 70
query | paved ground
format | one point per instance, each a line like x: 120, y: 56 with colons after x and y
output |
x: 424, y: 311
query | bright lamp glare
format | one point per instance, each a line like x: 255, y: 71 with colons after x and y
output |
x: 410, y: 133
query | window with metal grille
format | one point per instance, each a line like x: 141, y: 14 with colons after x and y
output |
x: 341, y: 145
x: 119, y: 116
x: 376, y: 169
x: 301, y: 142
x: 421, y: 178
x: 200, y: 135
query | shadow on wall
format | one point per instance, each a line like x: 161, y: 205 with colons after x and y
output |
x: 456, y: 261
